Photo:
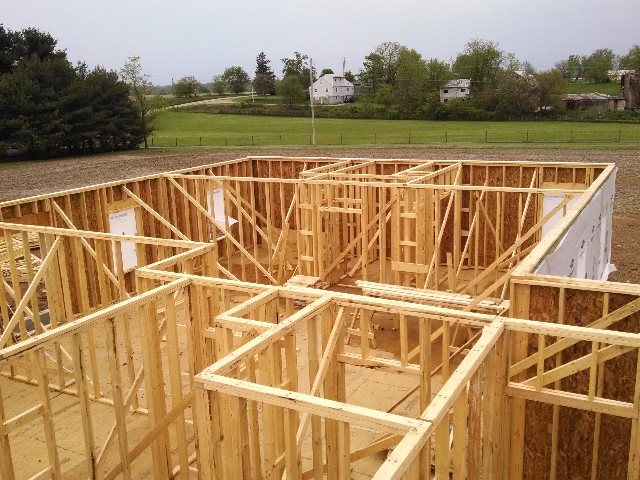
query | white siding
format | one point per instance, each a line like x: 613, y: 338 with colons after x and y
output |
x: 331, y: 89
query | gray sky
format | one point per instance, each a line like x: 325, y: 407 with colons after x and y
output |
x: 202, y: 38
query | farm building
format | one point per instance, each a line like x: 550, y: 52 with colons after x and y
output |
x: 276, y: 317
x: 331, y: 89
x: 594, y: 101
x: 459, y: 88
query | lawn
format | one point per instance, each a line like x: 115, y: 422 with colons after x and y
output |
x: 612, y: 88
x: 194, y: 129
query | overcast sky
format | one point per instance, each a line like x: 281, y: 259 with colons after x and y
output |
x: 202, y: 38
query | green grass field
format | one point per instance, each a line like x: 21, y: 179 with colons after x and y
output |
x: 202, y: 129
x: 612, y: 88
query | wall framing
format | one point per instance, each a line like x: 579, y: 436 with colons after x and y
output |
x: 228, y: 362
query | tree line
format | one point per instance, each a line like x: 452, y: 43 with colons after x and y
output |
x: 406, y: 84
x: 50, y: 107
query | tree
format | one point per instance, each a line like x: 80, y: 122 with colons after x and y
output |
x: 264, y: 85
x: 372, y: 73
x: 381, y: 65
x: 48, y: 107
x: 98, y: 112
x: 481, y: 62
x: 294, y: 66
x: 186, y: 87
x: 410, y: 87
x: 264, y: 82
x: 298, y: 67
x: 437, y: 73
x: 15, y: 45
x: 236, y: 79
x: 631, y: 61
x: 598, y: 64
x: 390, y: 54
x: 31, y: 104
x: 511, y: 62
x: 552, y: 88
x: 218, y: 85
x: 349, y: 76
x: 291, y: 90
x: 517, y: 95
x: 572, y: 68
x: 326, y: 71
x: 140, y: 88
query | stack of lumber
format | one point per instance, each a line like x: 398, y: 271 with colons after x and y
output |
x: 19, y: 254
x: 304, y: 281
x: 436, y: 298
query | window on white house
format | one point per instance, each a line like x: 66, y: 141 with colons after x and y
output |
x: 446, y: 91
x: 462, y: 89
x: 315, y: 90
x: 446, y: 100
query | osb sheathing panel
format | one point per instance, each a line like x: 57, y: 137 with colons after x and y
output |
x: 576, y: 428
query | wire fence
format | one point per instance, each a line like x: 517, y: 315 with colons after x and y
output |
x: 402, y: 138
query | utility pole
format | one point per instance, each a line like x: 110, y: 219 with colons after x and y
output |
x: 313, y: 115
x: 344, y: 64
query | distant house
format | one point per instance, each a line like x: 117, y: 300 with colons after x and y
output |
x: 594, y: 101
x: 331, y: 89
x: 526, y: 75
x: 459, y: 88
x: 616, y: 75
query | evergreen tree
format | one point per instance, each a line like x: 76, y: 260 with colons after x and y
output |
x: 264, y: 83
x: 48, y: 107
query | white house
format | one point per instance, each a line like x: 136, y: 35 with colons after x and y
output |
x: 459, y: 88
x: 616, y: 75
x: 331, y: 89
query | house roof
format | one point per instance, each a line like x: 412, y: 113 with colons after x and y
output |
x: 458, y: 83
x: 333, y: 80
x: 595, y: 96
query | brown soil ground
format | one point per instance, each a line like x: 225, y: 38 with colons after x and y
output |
x: 24, y: 179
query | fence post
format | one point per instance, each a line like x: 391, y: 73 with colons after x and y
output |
x: 152, y: 141
x: 571, y: 136
x: 200, y: 141
x: 527, y: 136
x: 225, y: 142
x: 619, y: 136
x: 252, y: 140
x: 375, y: 138
x: 446, y: 137
x: 340, y: 139
x: 409, y: 137
x: 280, y: 139
x: 486, y: 135
x: 176, y: 141
x: 309, y: 139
